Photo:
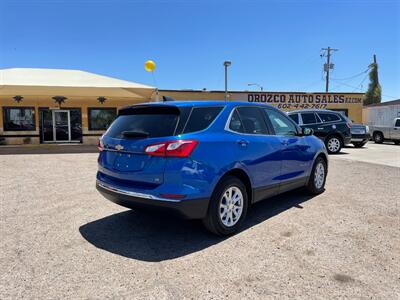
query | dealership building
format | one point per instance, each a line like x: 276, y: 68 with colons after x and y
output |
x: 41, y: 106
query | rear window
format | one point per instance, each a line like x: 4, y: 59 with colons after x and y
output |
x: 327, y: 117
x: 150, y: 121
x: 201, y: 117
x: 397, y: 123
x: 308, y: 118
x: 295, y: 118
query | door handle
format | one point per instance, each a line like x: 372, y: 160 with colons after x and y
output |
x: 242, y: 143
x: 285, y: 142
x: 320, y: 128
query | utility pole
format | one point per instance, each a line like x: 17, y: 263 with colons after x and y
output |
x: 328, y: 65
x: 226, y: 65
x: 377, y: 79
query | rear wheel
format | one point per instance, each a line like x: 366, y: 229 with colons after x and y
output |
x: 396, y: 142
x: 378, y: 137
x: 228, y: 207
x: 333, y: 144
x: 316, y: 182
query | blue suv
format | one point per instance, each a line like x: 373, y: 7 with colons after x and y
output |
x: 207, y: 160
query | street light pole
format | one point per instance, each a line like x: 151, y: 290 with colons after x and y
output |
x: 226, y: 65
x: 256, y: 84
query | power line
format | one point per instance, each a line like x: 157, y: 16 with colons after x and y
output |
x: 362, y: 81
x: 362, y: 90
x: 352, y: 77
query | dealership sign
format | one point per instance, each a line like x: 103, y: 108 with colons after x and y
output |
x: 300, y: 100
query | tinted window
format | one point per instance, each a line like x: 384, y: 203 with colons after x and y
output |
x: 154, y: 122
x: 281, y: 124
x: 308, y: 118
x: 235, y: 123
x: 397, y: 123
x: 19, y: 118
x: 201, y: 118
x: 252, y: 120
x: 295, y: 118
x: 101, y: 118
x: 327, y: 117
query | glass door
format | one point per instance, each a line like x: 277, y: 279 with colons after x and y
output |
x: 61, y: 126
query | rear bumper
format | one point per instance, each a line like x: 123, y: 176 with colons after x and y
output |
x: 357, y: 138
x: 188, y: 209
x: 347, y: 140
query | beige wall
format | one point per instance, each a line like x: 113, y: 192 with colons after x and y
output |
x: 284, y: 101
x: 46, y: 101
x: 352, y: 102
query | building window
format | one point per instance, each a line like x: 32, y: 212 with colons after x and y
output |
x: 19, y: 118
x: 101, y: 118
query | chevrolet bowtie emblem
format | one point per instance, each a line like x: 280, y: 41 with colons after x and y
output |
x: 119, y: 147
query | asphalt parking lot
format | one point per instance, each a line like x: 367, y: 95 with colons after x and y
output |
x: 61, y: 239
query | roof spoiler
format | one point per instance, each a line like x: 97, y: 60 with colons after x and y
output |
x: 166, y: 99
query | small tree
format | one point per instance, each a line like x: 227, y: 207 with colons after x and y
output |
x: 373, y: 94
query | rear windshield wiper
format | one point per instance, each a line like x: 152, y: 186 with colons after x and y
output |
x: 135, y: 134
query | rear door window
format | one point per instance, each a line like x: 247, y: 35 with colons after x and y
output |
x: 252, y: 120
x: 328, y: 117
x: 295, y: 118
x: 142, y: 122
x: 308, y: 118
x: 201, y: 117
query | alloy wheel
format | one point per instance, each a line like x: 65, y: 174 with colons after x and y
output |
x: 231, y: 206
x: 333, y: 145
x: 319, y: 175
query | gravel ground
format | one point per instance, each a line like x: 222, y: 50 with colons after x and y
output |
x: 61, y: 239
x: 384, y: 154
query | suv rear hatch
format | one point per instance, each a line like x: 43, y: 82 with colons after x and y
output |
x: 123, y: 156
x: 135, y: 149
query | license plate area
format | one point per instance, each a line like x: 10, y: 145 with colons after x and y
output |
x: 128, y: 162
x: 358, y: 131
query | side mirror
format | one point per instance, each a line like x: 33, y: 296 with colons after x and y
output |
x: 307, y: 131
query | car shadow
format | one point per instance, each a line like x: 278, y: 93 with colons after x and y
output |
x: 154, y: 237
x: 340, y: 153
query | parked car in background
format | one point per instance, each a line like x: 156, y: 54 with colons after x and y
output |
x: 359, y: 135
x: 330, y: 126
x: 390, y: 132
x: 207, y: 160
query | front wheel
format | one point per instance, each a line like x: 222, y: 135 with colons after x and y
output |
x: 333, y: 145
x: 228, y: 207
x: 378, y: 138
x: 316, y: 183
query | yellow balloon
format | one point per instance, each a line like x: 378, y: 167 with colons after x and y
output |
x: 149, y: 66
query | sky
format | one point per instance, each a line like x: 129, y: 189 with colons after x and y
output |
x: 276, y: 44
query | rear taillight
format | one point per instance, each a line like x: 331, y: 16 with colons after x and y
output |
x: 349, y: 124
x: 100, y: 145
x: 179, y: 148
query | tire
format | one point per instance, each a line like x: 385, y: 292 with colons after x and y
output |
x: 316, y: 182
x: 378, y: 137
x: 333, y: 144
x: 215, y: 221
x: 359, y: 145
x: 396, y: 142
